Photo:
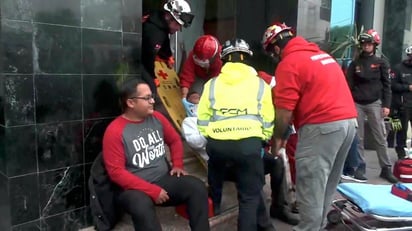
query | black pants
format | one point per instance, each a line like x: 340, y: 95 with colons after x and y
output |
x: 406, y: 117
x: 181, y: 190
x: 245, y: 156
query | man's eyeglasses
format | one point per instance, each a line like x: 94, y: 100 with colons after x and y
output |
x: 147, y: 98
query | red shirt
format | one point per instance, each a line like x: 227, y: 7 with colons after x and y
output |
x: 116, y: 153
x: 190, y: 71
x: 311, y: 83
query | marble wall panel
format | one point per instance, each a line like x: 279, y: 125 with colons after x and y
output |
x: 20, y: 150
x: 24, y: 198
x: 102, y: 14
x: 18, y: 99
x: 61, y: 190
x: 44, y: 11
x: 16, y: 42
x: 101, y: 52
x: 57, y: 49
x: 58, y: 98
x: 59, y: 145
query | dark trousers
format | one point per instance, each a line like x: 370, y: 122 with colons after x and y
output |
x: 181, y: 190
x: 245, y: 156
x: 401, y: 136
x: 271, y: 165
x: 274, y: 167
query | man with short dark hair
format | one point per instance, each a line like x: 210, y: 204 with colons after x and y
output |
x: 134, y: 154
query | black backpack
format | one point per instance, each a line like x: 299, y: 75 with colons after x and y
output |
x: 103, y: 194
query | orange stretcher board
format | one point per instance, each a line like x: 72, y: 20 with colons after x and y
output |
x: 171, y: 97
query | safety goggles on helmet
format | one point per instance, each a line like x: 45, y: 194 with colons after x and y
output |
x: 408, y: 50
x: 237, y: 45
x: 186, y: 18
x: 371, y: 36
x: 365, y: 38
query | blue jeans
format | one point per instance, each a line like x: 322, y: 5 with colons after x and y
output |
x: 353, y: 160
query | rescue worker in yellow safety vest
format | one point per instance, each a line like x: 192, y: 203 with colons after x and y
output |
x: 236, y: 115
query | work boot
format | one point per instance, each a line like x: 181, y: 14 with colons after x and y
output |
x: 279, y: 213
x: 401, y: 152
x: 386, y: 174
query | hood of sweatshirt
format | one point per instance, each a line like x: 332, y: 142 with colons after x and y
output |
x: 232, y: 73
x: 157, y: 18
x: 299, y: 44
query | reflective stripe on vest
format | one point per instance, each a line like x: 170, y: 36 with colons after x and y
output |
x: 216, y: 117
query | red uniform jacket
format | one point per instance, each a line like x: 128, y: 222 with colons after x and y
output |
x: 311, y: 83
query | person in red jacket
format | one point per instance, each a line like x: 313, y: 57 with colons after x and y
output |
x: 311, y: 89
x: 202, y: 64
x: 134, y: 155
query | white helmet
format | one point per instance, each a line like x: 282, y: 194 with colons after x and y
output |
x: 408, y: 50
x: 180, y: 10
x: 235, y: 45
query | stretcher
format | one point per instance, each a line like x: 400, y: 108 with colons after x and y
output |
x: 370, y: 207
x: 171, y: 97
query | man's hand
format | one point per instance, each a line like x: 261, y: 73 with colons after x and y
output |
x: 410, y: 87
x: 385, y: 111
x: 163, y: 197
x: 277, y: 144
x: 178, y: 172
x: 185, y: 91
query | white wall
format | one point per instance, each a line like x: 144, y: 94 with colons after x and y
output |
x: 378, y: 17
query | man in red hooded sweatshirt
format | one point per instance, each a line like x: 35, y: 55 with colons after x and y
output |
x: 202, y: 64
x: 311, y: 88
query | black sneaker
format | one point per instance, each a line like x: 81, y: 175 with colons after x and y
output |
x: 360, y: 177
x: 357, y: 177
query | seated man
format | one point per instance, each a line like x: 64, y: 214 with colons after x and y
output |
x: 134, y: 155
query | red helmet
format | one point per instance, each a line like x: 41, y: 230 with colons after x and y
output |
x: 271, y: 34
x: 371, y: 36
x: 205, y: 50
x: 206, y: 47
